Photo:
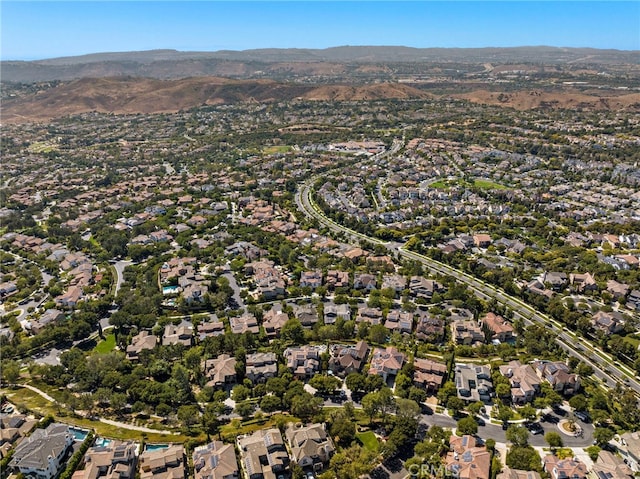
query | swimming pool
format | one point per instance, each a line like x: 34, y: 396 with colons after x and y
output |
x: 170, y: 289
x: 156, y: 447
x: 102, y: 442
x: 78, y: 434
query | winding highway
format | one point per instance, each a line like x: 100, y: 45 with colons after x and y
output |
x: 605, y: 367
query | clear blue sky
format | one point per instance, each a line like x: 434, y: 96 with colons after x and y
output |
x: 37, y: 30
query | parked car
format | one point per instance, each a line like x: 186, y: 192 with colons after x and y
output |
x: 583, y: 416
x: 534, y: 428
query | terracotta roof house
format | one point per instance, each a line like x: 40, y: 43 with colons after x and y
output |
x: 583, y: 282
x: 42, y: 453
x: 180, y: 334
x: 524, y: 381
x: 557, y: 374
x: 117, y: 460
x: 263, y: 454
x: 429, y: 328
x: 386, y: 362
x: 500, y: 327
x: 608, y: 322
x: 273, y: 320
x: 508, y: 473
x: 220, y: 371
x: 348, y: 359
x: 310, y: 445
x: 610, y: 466
x: 245, y: 323
x: 467, y: 332
x: 481, y: 240
x: 364, y: 281
x: 617, y: 290
x: 467, y: 460
x: 564, y: 468
x: 215, y: 461
x: 141, y: 341
x: 168, y: 463
x: 261, y: 366
x: 312, y: 279
x: 337, y: 279
x: 428, y: 374
x: 210, y: 328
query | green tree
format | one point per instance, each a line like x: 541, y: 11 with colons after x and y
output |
x: 602, y: 435
x: 467, y: 425
x: 270, y: 403
x: 517, y: 435
x: 10, y: 371
x: 553, y: 439
x: 525, y: 458
x: 292, y: 331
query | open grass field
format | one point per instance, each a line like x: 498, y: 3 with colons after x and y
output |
x: 107, y: 345
x: 369, y: 440
x: 477, y: 183
x: 270, y: 150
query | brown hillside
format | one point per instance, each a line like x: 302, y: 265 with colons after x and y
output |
x: 142, y: 95
x: 565, y: 99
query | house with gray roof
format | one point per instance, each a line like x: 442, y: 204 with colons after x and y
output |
x: 310, y: 445
x: 42, y: 454
x: 215, y: 461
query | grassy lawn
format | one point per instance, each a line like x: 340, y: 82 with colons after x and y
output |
x: 369, y: 440
x: 270, y: 150
x: 488, y: 185
x: 482, y: 184
x: 633, y: 341
x: 27, y: 399
x: 107, y: 345
x: 236, y: 428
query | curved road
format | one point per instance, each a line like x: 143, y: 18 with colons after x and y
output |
x: 605, y: 367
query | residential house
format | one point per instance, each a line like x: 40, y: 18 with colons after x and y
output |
x: 482, y: 240
x: 304, y: 361
x: 364, y: 281
x: 629, y: 449
x: 117, y: 460
x: 70, y: 298
x: 466, y: 459
x: 473, y: 382
x: 569, y: 468
x: 42, y: 454
x: 263, y: 454
x: 210, y: 328
x: 395, y: 282
x: 312, y: 279
x: 608, y: 322
x: 386, y: 362
x: 610, y: 466
x: 429, y: 374
x: 508, y: 473
x: 215, y: 461
x: 421, y: 287
x: 617, y: 290
x: 334, y: 311
x: 583, y: 282
x: 337, y: 279
x: 401, y: 321
x: 307, y: 314
x: 633, y: 301
x: 467, y: 332
x: 50, y: 316
x: 243, y: 324
x: 261, y: 366
x: 500, y: 328
x: 429, y: 328
x: 310, y: 445
x: 524, y: 381
x: 273, y: 320
x: 555, y: 280
x: 220, y: 371
x: 168, y: 463
x: 141, y: 341
x: 7, y: 289
x: 180, y: 334
x: 347, y: 359
x: 557, y: 374
x: 369, y: 315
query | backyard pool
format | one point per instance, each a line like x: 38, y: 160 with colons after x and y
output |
x: 78, y: 434
x: 156, y: 447
x: 170, y: 289
x: 102, y: 442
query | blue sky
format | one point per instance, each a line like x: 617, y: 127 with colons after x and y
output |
x: 37, y: 30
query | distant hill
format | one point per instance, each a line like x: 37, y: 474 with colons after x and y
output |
x: 171, y: 64
x: 141, y: 95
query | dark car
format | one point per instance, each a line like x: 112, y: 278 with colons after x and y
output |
x: 505, y: 426
x: 583, y: 416
x: 534, y: 428
x: 480, y: 421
